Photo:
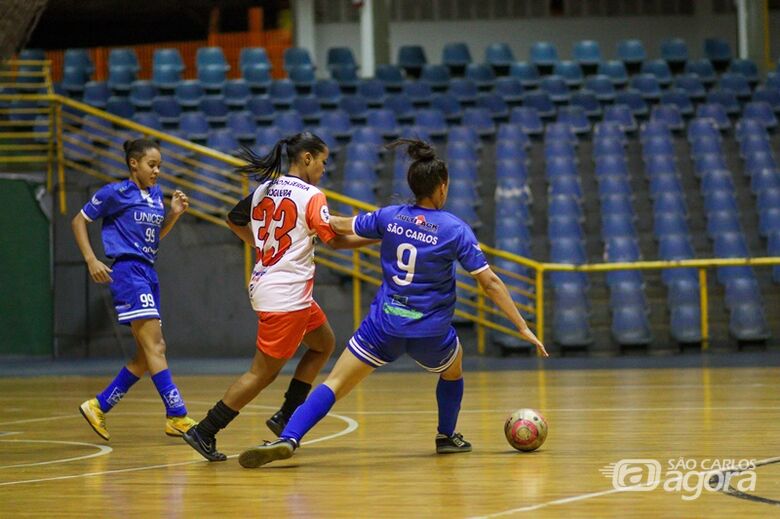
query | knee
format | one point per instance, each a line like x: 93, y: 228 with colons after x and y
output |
x: 156, y: 349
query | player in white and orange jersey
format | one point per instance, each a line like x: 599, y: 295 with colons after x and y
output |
x: 280, y: 219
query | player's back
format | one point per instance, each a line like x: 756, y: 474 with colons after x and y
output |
x: 419, y: 249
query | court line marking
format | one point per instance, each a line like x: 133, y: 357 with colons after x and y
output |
x: 573, y: 499
x: 102, y: 451
x: 352, y: 425
x: 578, y: 409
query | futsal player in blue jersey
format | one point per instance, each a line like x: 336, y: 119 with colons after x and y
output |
x: 412, y: 311
x: 134, y: 222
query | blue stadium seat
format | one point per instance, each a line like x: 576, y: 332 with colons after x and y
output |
x: 742, y: 291
x: 96, y: 93
x: 543, y: 54
x: 678, y: 98
x: 756, y: 162
x: 78, y: 59
x: 120, y: 78
x: 465, y: 90
x: 74, y: 79
x: 480, y: 119
x: 384, y: 121
x: 576, y: 117
x: 367, y: 135
x: 560, y: 133
x: 528, y: 118
x: 189, y: 93
x: 718, y: 51
x: 673, y: 239
x: 609, y: 130
x: 253, y: 56
x: 608, y: 146
x: 748, y: 323
x: 769, y: 221
x: 168, y: 109
x: 150, y: 119
x: 746, y: 128
x: 567, y: 249
x: 304, y: 79
x: 725, y: 98
x: 237, y: 94
x: 222, y: 140
x: 746, y: 68
x: 716, y: 180
x: 564, y: 206
x: 675, y: 52
x: 631, y: 52
x: 618, y: 226
x: 692, y: 85
x: 716, y: 113
x: 289, y: 122
x: 723, y: 200
x: 614, y: 185
x: 526, y: 73
x: 510, y: 88
x: 759, y: 111
x: 565, y: 185
x: 723, y: 222
x: 341, y: 57
x: 495, y: 105
x: 555, y: 87
x: 328, y: 93
x: 432, y: 121
x: 602, y: 86
x: 557, y: 148
x: 282, y: 92
x: 628, y: 295
x: 669, y: 115
x: 120, y: 106
x: 570, y: 71
x: 268, y: 136
x: 500, y: 57
x: 587, y: 53
x: 615, y: 70
x: 167, y: 57
x: 346, y: 77
x: 706, y: 124
x: 361, y: 171
x: 456, y: 56
x: 664, y: 184
x: 630, y: 326
x: 703, y: 69
x: 194, y: 126
x: 460, y: 150
x: 771, y: 96
x: 363, y: 152
x: 215, y: 110
x: 557, y: 166
x: 611, y: 165
x: 651, y: 129
x: 703, y: 145
x: 412, y: 59
x: 511, y: 150
x: 258, y: 77
x: 588, y: 101
x: 737, y: 83
x: 657, y: 146
x: 296, y: 57
x: 309, y: 108
x: 211, y: 57
x: 670, y: 203
x: 541, y: 102
x: 262, y: 109
x: 660, y: 69
x: 391, y: 75
x: 402, y: 106
x: 420, y: 93
x: 685, y: 323
x: 356, y: 106
x: 622, y: 115
x: 469, y: 135
x: 634, y: 100
x: 765, y: 183
x: 483, y: 75
x: 647, y: 85
x: 242, y: 124
x: 373, y: 90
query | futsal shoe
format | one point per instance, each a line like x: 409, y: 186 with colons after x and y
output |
x: 280, y: 449
x: 178, y: 425
x: 207, y: 447
x: 277, y: 422
x: 95, y: 417
x: 451, y: 444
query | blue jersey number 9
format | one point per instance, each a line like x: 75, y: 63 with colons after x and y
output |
x: 406, y: 263
x: 150, y: 234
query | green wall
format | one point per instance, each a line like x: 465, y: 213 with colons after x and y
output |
x: 25, y: 279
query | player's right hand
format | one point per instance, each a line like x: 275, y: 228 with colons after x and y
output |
x: 530, y: 337
x: 99, y: 271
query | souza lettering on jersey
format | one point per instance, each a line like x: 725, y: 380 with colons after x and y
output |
x: 131, y: 219
x: 419, y: 248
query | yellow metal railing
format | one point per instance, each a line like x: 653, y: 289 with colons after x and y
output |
x: 40, y: 127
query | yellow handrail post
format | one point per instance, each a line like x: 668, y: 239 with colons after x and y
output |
x: 540, y: 303
x: 50, y: 150
x: 60, y: 161
x: 481, y: 315
x: 704, y: 303
x: 248, y: 262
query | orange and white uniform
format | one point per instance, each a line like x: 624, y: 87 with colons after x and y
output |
x: 285, y: 216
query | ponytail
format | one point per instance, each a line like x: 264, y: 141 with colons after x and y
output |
x: 265, y: 168
x: 427, y: 171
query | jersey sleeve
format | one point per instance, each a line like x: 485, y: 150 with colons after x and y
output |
x: 370, y: 225
x: 102, y: 204
x: 241, y: 214
x: 470, y: 255
x: 318, y: 217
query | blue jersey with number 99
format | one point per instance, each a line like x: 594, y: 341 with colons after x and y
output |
x: 419, y: 249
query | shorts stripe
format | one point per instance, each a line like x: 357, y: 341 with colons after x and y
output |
x: 366, y: 356
x: 447, y: 363
x: 139, y: 313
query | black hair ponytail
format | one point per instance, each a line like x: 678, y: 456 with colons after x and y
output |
x: 427, y: 171
x: 269, y: 167
x: 136, y: 149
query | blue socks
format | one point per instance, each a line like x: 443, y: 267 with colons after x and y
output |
x: 118, y: 388
x: 449, y: 394
x: 313, y: 410
x: 174, y: 405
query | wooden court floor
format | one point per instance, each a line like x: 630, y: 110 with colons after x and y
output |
x: 374, y: 456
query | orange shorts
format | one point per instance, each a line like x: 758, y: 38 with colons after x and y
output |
x: 280, y: 333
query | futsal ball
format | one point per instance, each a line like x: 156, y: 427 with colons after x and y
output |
x: 525, y: 430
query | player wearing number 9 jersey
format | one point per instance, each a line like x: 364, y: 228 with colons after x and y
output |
x: 134, y: 222
x: 413, y: 309
x: 280, y: 219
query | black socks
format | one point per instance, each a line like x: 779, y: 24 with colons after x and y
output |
x: 296, y: 395
x: 216, y: 419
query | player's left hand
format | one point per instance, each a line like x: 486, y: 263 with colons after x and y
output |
x: 179, y: 202
x: 530, y: 337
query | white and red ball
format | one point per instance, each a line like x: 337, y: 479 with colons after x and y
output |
x: 525, y: 430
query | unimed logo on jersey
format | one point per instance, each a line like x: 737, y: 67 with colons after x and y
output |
x: 419, y: 221
x: 325, y: 214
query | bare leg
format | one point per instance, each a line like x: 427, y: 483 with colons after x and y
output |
x: 320, y: 343
x: 151, y: 345
x: 455, y: 371
x: 347, y: 373
x: 264, y: 370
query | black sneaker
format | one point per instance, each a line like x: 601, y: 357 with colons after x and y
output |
x: 277, y: 422
x: 451, y: 444
x: 207, y: 447
x: 280, y: 449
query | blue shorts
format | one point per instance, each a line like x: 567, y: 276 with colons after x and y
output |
x: 135, y: 289
x: 372, y: 346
